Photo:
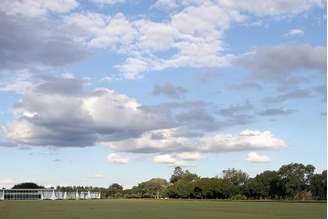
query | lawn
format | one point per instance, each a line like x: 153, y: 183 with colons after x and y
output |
x: 160, y: 209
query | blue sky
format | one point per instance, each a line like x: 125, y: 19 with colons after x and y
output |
x: 94, y: 92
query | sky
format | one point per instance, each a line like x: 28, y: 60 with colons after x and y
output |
x: 95, y: 92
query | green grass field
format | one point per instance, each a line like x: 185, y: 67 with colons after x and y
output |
x: 160, y: 209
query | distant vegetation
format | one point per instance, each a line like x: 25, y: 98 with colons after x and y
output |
x: 28, y: 185
x: 292, y: 182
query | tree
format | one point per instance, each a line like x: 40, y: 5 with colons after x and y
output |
x: 265, y: 185
x: 318, y: 186
x: 212, y: 188
x: 180, y: 174
x: 27, y: 185
x: 177, y: 174
x: 116, y: 186
x: 152, y: 188
x: 182, y: 184
x: 184, y: 188
x: 296, y: 178
x: 292, y: 181
x: 115, y: 190
x: 236, y: 177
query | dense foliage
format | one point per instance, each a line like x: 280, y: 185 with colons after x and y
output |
x: 293, y: 181
x: 27, y: 185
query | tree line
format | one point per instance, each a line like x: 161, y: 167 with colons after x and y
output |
x: 293, y: 181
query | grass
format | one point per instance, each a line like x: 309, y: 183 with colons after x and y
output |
x: 160, y: 209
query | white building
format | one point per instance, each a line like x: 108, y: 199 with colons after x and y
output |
x: 45, y: 194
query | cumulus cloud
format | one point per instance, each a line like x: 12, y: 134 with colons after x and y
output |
x: 199, y: 116
x: 37, y: 7
x: 279, y: 64
x: 255, y: 7
x: 117, y: 159
x: 155, y: 36
x: 68, y: 117
x: 20, y: 82
x: 257, y: 158
x: 194, y: 34
x: 31, y: 43
x: 103, y: 31
x: 169, y: 90
x: 58, y: 111
x: 272, y: 7
x: 209, y: 143
x: 132, y: 67
x: 165, y: 159
x: 177, y: 159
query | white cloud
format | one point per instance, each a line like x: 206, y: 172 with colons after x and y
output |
x: 36, y: 7
x: 103, y: 31
x: 171, y: 159
x: 40, y: 121
x: 108, y: 2
x: 106, y: 105
x: 257, y: 158
x: 256, y: 7
x: 117, y: 159
x: 165, y: 159
x: 167, y: 141
x: 20, y: 84
x: 155, y: 36
x: 294, y: 32
x: 133, y: 67
x: 271, y: 7
x: 177, y: 158
x: 190, y: 156
x: 60, y: 113
x: 194, y: 35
